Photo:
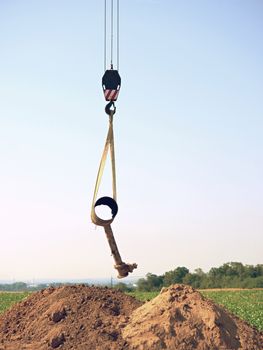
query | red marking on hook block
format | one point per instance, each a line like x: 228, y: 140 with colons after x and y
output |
x: 111, y: 95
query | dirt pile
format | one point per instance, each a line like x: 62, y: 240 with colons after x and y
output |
x: 70, y: 317
x: 179, y: 318
x: 92, y: 318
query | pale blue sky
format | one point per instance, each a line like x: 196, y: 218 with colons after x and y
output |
x: 188, y: 135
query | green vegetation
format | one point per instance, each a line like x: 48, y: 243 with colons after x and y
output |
x: 229, y: 275
x: 246, y: 304
x: 23, y: 287
x: 143, y: 296
x: 8, y: 299
x: 13, y: 287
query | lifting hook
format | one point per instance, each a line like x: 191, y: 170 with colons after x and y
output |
x: 110, y: 108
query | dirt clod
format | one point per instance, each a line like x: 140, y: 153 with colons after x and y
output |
x: 58, y: 315
x: 87, y: 318
x: 57, y: 341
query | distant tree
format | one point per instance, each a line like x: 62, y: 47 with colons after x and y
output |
x: 237, y: 269
x: 151, y: 283
x: 14, y: 287
x: 199, y: 272
x: 154, y: 281
x: 123, y: 287
x: 254, y: 271
x: 143, y: 285
x: 175, y: 276
x: 193, y: 280
x: 250, y: 282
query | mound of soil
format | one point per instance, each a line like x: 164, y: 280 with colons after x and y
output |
x: 180, y: 318
x: 69, y: 317
x: 93, y: 318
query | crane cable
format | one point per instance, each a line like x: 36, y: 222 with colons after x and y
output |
x: 112, y: 34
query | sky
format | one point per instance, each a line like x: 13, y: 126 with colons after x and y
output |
x: 188, y: 136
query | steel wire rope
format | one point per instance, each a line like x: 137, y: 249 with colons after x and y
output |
x: 117, y: 39
x: 118, y: 33
x: 111, y: 33
x: 105, y: 33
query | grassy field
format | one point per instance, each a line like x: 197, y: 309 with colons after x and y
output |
x: 9, y: 298
x: 247, y: 304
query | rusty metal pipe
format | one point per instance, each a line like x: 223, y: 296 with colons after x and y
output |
x: 122, y: 268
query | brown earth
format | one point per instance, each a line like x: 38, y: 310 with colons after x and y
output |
x: 93, y: 318
x: 180, y: 318
x: 70, y: 317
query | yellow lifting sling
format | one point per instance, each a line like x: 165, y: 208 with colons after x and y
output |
x: 123, y: 268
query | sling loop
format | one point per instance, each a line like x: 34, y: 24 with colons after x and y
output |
x: 109, y: 144
x: 122, y: 268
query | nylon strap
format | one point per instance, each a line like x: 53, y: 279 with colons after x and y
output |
x: 109, y: 144
x: 123, y: 268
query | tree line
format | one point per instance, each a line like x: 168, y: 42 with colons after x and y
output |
x: 229, y: 275
x: 24, y: 287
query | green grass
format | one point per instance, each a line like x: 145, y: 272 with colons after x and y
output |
x: 246, y: 304
x: 7, y: 299
x: 143, y: 296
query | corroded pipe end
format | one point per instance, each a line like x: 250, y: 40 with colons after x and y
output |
x: 109, y: 202
x: 124, y: 269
